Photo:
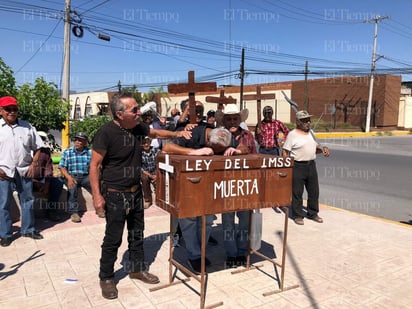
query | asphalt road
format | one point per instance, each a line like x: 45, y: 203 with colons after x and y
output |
x: 369, y: 175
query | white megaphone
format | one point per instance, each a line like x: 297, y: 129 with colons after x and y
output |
x: 149, y: 106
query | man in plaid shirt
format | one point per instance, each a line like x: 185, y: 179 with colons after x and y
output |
x: 74, y: 167
x: 267, y: 135
x: 149, y: 155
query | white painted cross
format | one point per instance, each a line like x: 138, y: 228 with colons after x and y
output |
x: 168, y: 169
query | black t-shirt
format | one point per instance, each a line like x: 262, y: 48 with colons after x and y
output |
x: 121, y: 167
x: 198, y: 139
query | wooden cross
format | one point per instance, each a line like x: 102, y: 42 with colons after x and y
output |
x: 191, y: 88
x: 259, y: 97
x: 169, y: 169
x: 221, y: 100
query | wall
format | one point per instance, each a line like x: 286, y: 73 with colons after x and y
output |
x: 348, y: 96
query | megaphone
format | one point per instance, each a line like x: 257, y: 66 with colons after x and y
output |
x: 149, y: 106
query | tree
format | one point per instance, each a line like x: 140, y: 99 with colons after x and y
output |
x: 88, y: 125
x: 42, y: 105
x: 7, y: 80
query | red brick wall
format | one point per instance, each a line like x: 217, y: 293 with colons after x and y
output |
x: 349, y: 95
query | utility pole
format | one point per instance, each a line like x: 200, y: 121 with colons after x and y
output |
x: 376, y: 19
x: 66, y: 71
x: 242, y: 75
x: 305, y: 96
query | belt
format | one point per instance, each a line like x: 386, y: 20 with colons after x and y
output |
x: 304, y: 162
x: 269, y: 148
x: 128, y: 190
x: 79, y: 174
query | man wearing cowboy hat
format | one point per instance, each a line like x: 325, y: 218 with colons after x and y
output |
x: 236, y: 237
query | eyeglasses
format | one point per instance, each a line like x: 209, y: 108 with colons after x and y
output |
x: 11, y: 109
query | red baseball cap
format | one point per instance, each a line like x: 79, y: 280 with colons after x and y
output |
x: 8, y: 101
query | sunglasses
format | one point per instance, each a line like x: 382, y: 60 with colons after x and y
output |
x: 11, y: 109
x: 305, y: 120
x: 135, y: 109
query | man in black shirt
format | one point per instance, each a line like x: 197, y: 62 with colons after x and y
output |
x: 115, y: 172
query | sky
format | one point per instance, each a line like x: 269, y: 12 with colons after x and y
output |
x: 154, y: 43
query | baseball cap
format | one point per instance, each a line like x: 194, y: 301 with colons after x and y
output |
x: 81, y: 135
x: 211, y: 113
x: 302, y: 115
x: 8, y: 101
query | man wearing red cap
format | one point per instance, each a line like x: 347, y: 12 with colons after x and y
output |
x: 18, y: 140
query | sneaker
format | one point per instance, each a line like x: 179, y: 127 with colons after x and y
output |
x: 75, y: 218
x: 299, y: 221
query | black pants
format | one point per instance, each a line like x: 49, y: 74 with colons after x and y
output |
x: 305, y: 176
x: 121, y: 208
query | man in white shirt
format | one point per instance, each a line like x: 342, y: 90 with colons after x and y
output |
x: 18, y: 140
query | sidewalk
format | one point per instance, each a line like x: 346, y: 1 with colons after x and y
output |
x: 349, y: 261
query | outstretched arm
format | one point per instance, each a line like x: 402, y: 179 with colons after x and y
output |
x: 172, y: 148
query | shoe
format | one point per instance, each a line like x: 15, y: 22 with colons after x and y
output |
x: 196, y: 264
x: 317, y: 219
x: 34, y: 235
x: 101, y: 214
x: 5, y: 242
x: 241, y: 260
x: 212, y: 241
x: 53, y: 216
x: 75, y: 218
x: 147, y: 204
x: 144, y: 276
x: 231, y: 262
x: 109, y: 289
x: 299, y: 221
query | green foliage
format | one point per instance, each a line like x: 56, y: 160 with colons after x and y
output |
x: 42, y: 105
x: 7, y: 80
x: 88, y: 125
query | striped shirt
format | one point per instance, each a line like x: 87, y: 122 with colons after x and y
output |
x: 76, y: 162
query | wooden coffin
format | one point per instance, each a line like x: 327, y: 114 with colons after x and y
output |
x: 189, y: 186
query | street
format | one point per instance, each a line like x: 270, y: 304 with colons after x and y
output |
x: 369, y: 175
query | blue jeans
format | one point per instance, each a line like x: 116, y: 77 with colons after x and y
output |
x: 24, y: 187
x: 274, y: 151
x: 192, y: 234
x: 82, y: 181
x: 236, y: 239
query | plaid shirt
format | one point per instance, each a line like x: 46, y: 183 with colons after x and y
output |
x: 270, y: 133
x: 149, y: 160
x: 76, y: 162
